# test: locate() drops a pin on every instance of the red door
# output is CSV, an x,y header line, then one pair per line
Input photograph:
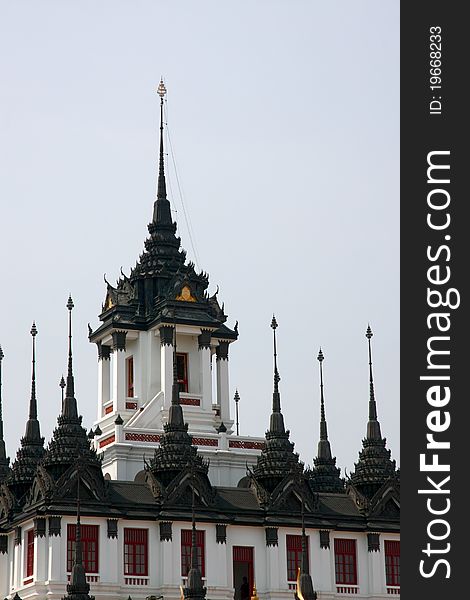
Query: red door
x,y
242,567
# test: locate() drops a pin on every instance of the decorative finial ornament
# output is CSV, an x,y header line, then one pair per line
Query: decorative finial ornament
x,y
373,426
70,391
161,90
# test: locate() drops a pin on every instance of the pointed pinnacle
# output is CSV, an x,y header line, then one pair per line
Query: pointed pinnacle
x,y
34,330
237,396
369,333
2,356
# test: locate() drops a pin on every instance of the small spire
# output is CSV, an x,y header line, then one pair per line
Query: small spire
x,y
33,409
373,426
4,461
324,450
69,405
277,420
62,386
33,433
2,356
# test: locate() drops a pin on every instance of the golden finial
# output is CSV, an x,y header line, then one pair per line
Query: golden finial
x,y
161,90
254,594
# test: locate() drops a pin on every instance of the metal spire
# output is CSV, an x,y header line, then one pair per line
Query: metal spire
x,y
2,356
69,405
62,386
161,190
4,461
324,449
32,426
277,420
33,409
373,426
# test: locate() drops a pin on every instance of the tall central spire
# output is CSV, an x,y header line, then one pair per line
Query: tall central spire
x,y
161,190
32,426
162,210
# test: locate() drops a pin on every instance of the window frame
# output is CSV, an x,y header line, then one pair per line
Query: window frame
x,y
90,534
134,544
345,570
293,563
184,382
186,546
130,388
29,554
392,567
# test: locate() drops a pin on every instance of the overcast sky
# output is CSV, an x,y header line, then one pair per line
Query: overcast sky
x,y
284,120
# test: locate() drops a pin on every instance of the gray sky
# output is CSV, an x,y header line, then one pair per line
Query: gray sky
x,y
284,119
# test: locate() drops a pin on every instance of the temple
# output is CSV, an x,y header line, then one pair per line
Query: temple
x,y
162,498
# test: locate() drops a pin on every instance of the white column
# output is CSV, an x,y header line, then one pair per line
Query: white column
x,y
17,564
222,381
104,381
206,377
5,576
119,380
166,339
273,570
55,556
41,556
376,566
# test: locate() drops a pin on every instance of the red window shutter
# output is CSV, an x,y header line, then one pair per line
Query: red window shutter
x,y
392,562
130,377
135,551
345,562
294,555
29,553
186,545
89,536
182,371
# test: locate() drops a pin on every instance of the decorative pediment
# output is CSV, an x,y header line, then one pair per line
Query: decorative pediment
x,y
180,490
386,502
290,494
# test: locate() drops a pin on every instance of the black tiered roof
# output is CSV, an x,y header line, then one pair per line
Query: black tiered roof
x,y
375,466
69,440
325,475
277,459
162,283
31,450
